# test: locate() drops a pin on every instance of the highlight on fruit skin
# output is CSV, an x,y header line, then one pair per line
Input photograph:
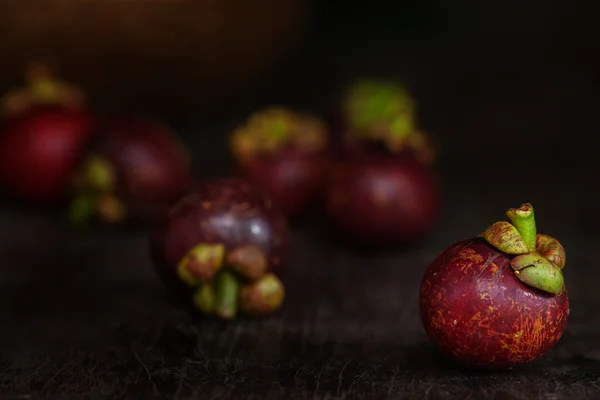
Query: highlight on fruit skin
x,y
285,154
539,258
221,248
133,171
497,300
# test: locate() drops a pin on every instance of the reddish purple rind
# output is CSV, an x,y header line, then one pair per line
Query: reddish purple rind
x,y
228,211
477,312
40,149
153,169
382,200
292,178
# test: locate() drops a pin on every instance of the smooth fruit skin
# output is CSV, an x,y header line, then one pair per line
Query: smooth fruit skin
x,y
382,200
478,313
38,151
153,169
229,211
292,178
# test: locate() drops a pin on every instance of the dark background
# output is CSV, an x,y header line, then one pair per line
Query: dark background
x,y
510,88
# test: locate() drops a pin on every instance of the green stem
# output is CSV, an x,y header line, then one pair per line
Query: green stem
x,y
81,209
523,219
227,287
99,174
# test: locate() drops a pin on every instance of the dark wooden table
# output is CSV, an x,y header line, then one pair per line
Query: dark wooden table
x,y
83,315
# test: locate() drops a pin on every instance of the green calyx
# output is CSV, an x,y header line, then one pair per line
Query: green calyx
x,y
278,128
204,298
272,124
539,258
263,296
271,129
227,281
375,104
42,88
376,101
402,126
94,185
42,85
81,209
383,112
201,263
98,175
536,271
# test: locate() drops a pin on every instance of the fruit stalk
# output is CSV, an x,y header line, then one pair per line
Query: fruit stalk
x,y
524,220
227,287
539,258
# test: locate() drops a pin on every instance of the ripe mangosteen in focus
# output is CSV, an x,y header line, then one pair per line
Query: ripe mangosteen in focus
x,y
497,300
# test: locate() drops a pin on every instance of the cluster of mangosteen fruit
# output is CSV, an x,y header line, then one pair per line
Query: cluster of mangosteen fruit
x,y
496,300
368,171
55,150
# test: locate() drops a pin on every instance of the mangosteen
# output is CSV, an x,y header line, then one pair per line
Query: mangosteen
x,y
221,247
285,154
45,128
133,171
383,190
497,300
